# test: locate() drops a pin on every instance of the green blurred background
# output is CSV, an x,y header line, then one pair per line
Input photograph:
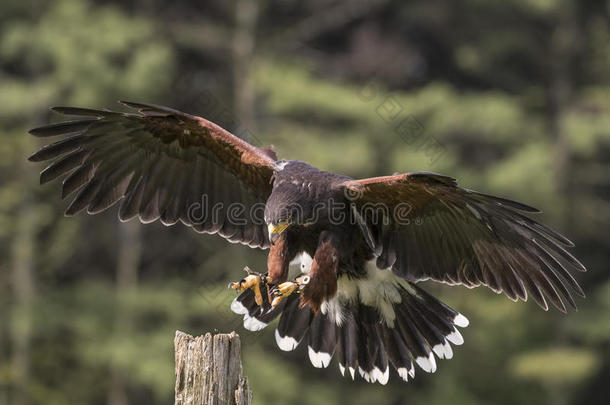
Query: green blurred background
x,y
512,98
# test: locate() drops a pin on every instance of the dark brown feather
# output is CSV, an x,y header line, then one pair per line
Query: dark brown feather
x,y
62,128
63,166
160,162
459,236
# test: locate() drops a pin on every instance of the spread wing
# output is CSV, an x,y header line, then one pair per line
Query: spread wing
x,y
161,164
436,230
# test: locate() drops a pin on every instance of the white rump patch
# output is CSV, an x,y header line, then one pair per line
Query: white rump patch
x,y
379,289
285,343
318,359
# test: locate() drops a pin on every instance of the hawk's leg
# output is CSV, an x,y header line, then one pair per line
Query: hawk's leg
x,y
323,272
253,280
287,288
278,262
281,254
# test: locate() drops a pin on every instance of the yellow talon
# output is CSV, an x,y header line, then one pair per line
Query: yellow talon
x,y
252,281
276,301
287,288
282,291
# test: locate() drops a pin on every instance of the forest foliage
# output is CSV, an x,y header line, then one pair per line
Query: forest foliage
x,y
512,98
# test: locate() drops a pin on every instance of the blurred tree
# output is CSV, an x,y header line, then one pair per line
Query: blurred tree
x,y
48,56
510,97
130,249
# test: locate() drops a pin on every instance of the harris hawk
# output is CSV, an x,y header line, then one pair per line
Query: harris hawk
x,y
345,255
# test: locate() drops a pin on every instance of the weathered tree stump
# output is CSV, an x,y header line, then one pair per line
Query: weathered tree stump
x,y
209,371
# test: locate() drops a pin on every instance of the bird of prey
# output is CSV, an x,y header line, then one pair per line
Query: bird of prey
x,y
345,255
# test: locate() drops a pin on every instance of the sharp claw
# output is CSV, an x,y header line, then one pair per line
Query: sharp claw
x,y
239,285
262,276
283,290
251,281
254,279
276,301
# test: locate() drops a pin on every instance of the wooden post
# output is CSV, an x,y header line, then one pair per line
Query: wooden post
x,y
208,370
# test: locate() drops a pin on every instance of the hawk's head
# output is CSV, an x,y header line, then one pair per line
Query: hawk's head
x,y
289,204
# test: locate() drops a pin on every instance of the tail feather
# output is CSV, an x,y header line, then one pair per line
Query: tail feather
x,y
398,353
347,344
256,317
440,309
381,370
402,326
322,341
372,357
418,328
423,323
365,364
412,338
293,325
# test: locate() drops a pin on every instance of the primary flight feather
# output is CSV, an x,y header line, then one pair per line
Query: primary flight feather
x,y
360,246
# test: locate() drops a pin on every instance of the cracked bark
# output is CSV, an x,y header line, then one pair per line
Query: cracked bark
x,y
209,371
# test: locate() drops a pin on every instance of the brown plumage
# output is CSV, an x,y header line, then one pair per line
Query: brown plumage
x,y
159,163
363,244
469,238
323,272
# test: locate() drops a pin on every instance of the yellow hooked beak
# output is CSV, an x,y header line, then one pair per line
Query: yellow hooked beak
x,y
276,230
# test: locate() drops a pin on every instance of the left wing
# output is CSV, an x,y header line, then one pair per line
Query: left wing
x,y
161,164
433,229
